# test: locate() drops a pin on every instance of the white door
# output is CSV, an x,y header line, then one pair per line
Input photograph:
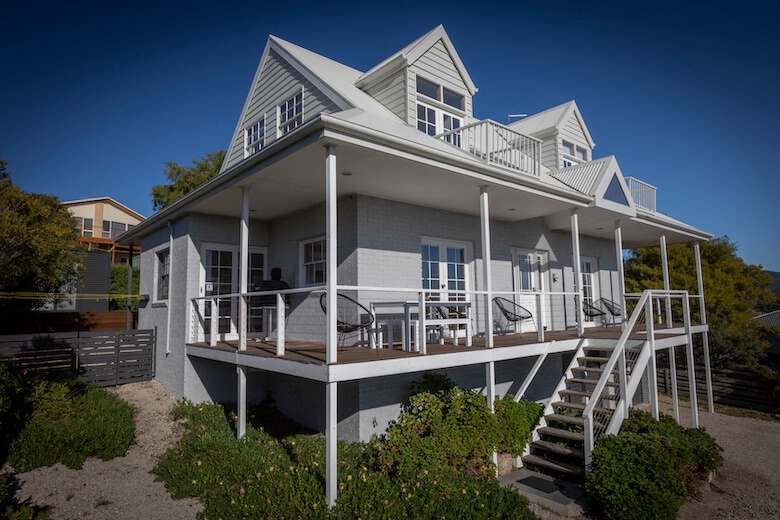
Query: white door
x,y
530,276
589,285
445,267
220,277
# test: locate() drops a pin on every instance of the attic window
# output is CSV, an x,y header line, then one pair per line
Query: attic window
x,y
291,113
442,94
254,138
568,148
582,153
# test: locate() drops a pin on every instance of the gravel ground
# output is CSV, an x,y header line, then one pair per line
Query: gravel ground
x,y
746,487
120,488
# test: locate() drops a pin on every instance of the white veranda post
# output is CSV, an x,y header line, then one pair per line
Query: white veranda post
x,y
331,419
577,260
486,261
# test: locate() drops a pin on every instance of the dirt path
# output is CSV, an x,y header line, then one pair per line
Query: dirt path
x,y
121,488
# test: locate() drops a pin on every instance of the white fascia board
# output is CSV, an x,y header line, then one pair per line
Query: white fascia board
x,y
392,145
666,223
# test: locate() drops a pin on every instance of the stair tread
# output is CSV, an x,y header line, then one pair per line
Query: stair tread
x,y
568,419
561,467
584,393
593,359
561,433
586,381
580,407
587,369
558,449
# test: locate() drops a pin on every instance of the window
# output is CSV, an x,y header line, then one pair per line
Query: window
x,y
117,228
163,274
573,151
291,113
254,138
568,148
582,153
86,227
433,120
106,229
313,261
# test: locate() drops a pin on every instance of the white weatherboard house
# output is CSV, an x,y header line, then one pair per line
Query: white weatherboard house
x,y
414,237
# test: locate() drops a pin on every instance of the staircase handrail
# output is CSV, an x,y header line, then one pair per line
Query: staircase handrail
x,y
618,354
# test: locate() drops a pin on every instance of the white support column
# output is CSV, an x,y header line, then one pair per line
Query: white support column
x,y
331,452
490,387
705,335
243,272
331,341
280,324
484,216
621,273
691,364
241,402
675,394
653,369
577,260
665,267
243,259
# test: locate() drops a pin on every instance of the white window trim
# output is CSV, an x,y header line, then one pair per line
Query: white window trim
x,y
439,115
263,121
438,102
157,274
284,99
302,266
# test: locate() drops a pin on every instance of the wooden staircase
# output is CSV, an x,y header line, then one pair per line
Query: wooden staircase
x,y
557,444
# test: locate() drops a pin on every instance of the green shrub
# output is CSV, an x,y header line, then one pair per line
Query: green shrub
x,y
648,468
15,408
514,422
71,421
282,474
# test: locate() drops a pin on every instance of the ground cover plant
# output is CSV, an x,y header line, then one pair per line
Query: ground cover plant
x,y
648,469
278,471
47,421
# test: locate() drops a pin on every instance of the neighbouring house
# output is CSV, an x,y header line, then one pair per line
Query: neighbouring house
x,y
414,237
770,323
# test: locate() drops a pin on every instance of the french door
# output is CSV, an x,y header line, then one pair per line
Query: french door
x,y
589,285
530,276
445,266
220,277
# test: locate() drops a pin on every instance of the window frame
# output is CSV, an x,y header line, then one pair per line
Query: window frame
x,y
256,130
162,275
303,272
290,122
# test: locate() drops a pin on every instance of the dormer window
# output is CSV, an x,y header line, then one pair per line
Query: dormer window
x,y
573,154
291,113
254,138
433,118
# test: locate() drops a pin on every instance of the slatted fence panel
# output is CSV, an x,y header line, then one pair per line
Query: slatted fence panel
x,y
103,358
733,387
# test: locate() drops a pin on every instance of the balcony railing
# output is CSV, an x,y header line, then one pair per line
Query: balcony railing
x,y
642,193
497,145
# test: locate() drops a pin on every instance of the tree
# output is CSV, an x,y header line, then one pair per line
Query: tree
x,y
119,286
733,291
184,179
39,249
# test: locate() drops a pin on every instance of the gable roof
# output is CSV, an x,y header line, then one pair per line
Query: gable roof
x,y
105,200
603,180
411,53
552,119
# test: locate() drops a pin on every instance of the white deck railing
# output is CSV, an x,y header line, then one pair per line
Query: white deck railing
x,y
498,145
642,193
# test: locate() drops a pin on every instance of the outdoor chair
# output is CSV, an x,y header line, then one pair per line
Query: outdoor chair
x,y
351,316
611,307
452,317
591,311
513,312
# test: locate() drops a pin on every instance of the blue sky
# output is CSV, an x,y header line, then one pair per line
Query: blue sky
x,y
97,96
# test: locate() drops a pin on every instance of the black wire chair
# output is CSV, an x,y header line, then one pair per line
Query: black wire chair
x,y
591,311
351,316
513,312
611,307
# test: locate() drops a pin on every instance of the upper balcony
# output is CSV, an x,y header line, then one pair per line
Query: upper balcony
x,y
498,145
642,193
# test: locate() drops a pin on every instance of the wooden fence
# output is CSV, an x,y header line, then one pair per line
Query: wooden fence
x,y
103,358
739,387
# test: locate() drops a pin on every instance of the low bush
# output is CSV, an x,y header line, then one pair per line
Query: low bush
x,y
649,467
69,421
274,472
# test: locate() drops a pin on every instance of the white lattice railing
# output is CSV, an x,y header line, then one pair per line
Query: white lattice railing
x,y
498,145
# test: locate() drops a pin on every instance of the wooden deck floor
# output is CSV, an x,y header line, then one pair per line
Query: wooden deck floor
x,y
313,352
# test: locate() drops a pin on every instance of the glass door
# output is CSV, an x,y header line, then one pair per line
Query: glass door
x,y
220,277
530,268
445,267
589,285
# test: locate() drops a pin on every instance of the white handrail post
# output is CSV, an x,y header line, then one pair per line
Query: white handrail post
x,y
621,273
423,347
622,373
214,321
589,440
667,287
280,324
650,325
540,319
